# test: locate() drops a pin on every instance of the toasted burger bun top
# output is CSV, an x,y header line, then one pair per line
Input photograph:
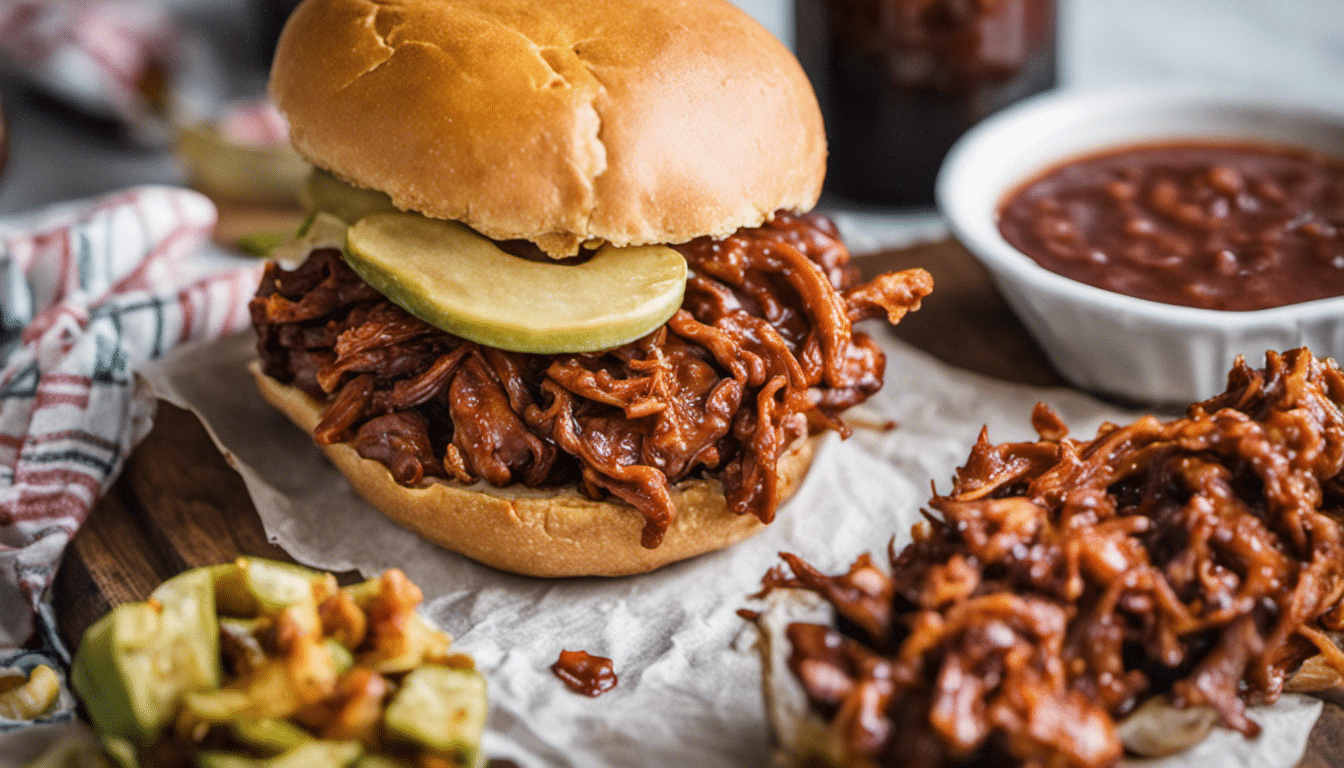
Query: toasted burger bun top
x,y
629,121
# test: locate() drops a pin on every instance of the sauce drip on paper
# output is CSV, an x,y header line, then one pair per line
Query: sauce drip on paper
x,y
585,673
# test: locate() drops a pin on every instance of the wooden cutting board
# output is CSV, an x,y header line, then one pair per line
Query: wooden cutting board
x,y
180,505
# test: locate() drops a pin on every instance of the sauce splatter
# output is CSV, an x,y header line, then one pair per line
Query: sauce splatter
x,y
585,673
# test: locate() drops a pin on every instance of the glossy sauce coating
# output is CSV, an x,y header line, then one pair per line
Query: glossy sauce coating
x,y
762,352
1211,225
1063,582
585,673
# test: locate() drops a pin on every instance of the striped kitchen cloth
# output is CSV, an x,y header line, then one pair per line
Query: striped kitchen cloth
x,y
112,58
88,291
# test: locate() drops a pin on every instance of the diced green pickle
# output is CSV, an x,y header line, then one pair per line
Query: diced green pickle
x,y
121,751
364,591
189,612
279,585
136,663
227,760
147,665
420,639
269,692
441,708
269,735
232,597
252,586
220,706
319,754
341,657
378,761
312,754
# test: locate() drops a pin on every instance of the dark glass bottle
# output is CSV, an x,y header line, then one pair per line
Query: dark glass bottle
x,y
271,16
900,80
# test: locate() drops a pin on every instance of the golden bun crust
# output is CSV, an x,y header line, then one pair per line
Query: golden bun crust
x,y
629,121
540,532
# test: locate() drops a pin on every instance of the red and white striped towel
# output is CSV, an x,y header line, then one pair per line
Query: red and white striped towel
x,y
106,57
88,291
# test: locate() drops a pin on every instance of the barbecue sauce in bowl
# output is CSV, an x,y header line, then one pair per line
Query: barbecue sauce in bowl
x,y
1214,225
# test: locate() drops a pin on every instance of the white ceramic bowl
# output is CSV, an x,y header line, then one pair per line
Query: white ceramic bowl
x,y
1135,349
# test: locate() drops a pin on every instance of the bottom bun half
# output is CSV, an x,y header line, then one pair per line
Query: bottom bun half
x,y
548,532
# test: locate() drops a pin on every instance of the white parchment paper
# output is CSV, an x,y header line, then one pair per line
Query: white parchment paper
x,y
690,680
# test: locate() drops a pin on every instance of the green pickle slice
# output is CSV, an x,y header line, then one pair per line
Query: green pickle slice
x,y
321,230
137,662
442,708
327,193
458,281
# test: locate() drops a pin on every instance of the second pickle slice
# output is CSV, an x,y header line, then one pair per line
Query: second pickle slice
x,y
461,282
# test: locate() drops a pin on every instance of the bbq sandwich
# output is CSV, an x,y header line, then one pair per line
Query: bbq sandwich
x,y
560,308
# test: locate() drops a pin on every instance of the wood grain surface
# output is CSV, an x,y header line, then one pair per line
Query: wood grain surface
x,y
179,504
965,322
